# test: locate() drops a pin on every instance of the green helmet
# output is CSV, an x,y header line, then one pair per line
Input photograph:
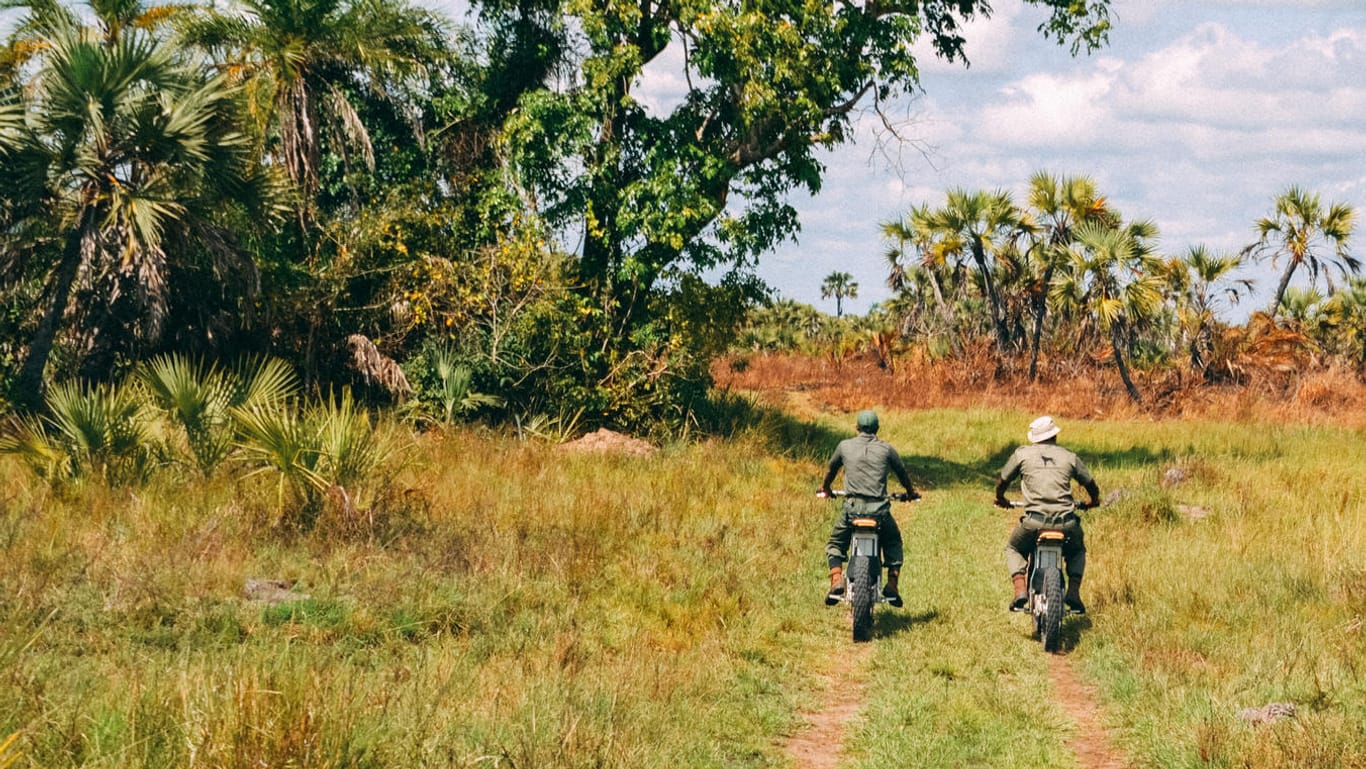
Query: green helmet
x,y
867,421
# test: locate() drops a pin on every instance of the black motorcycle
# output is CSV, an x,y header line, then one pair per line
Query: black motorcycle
x,y
864,575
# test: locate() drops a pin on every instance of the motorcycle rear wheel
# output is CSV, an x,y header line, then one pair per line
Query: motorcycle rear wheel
x,y
861,598
1050,624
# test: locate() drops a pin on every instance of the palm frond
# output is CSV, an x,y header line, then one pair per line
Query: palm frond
x,y
350,449
274,438
106,428
261,382
27,438
197,396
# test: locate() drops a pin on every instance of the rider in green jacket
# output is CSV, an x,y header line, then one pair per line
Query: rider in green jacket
x,y
866,462
1046,471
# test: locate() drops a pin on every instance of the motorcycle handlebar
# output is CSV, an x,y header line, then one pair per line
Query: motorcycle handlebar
x,y
897,497
1080,505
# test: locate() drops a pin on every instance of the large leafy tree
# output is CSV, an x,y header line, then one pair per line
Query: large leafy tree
x,y
1305,234
121,156
702,182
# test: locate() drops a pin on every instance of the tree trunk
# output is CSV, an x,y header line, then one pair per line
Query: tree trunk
x,y
1002,335
29,384
1040,310
945,313
1284,284
1115,333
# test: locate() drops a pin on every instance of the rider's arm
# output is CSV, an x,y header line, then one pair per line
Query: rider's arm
x,y
1093,489
899,468
836,462
1008,473
1083,476
1001,485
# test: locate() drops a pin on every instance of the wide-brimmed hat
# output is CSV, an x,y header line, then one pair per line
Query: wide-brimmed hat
x,y
1042,429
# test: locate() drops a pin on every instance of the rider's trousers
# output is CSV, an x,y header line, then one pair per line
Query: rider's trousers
x,y
1021,543
888,533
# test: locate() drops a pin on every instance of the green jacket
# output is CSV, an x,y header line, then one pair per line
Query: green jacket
x,y
866,462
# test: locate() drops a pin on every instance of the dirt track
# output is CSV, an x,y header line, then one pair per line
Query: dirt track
x,y
1091,743
820,742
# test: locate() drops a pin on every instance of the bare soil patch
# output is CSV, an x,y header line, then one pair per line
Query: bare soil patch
x,y
818,744
1091,743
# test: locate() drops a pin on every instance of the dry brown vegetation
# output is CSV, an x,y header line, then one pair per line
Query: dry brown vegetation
x,y
1318,395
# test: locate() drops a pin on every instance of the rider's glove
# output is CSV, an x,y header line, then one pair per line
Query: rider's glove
x,y
1002,502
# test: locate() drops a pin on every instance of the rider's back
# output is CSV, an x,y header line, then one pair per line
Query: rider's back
x,y
866,461
1046,471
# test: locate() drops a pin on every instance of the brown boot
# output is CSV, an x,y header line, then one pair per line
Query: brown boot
x,y
890,591
836,586
1073,598
1018,603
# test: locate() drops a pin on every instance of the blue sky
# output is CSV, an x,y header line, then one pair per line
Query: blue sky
x,y
1196,116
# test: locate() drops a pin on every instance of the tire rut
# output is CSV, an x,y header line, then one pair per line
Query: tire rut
x,y
1091,743
819,742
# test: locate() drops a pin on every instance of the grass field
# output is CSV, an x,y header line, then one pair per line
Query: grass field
x,y
530,607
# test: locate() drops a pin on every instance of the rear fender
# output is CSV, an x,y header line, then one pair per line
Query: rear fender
x,y
864,542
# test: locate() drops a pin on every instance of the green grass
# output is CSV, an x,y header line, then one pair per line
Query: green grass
x,y
528,607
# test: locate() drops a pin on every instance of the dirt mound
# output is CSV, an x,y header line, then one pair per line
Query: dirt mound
x,y
605,440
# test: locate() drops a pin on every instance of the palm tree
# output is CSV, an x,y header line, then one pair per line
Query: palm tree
x,y
839,285
1206,284
1303,307
1347,310
1058,205
916,233
297,60
985,224
120,148
1301,231
1114,278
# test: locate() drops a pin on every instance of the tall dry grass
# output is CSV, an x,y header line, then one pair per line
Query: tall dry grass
x,y
1331,395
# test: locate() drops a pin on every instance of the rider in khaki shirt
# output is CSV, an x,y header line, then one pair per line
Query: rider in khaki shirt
x,y
1046,471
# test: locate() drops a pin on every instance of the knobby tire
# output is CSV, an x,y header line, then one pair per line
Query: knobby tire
x,y
1050,625
861,597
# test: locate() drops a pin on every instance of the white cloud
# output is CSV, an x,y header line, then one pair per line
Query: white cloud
x,y
1046,109
662,84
